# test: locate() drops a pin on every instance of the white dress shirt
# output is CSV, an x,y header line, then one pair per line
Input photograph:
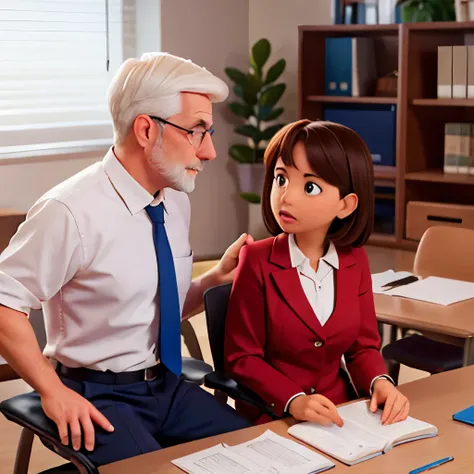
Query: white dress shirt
x,y
318,287
86,255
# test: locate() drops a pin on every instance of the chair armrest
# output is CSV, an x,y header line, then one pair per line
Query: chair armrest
x,y
221,382
26,411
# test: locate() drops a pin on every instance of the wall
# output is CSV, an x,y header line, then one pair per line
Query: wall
x,y
278,22
214,34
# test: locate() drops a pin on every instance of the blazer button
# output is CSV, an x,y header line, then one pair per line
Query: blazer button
x,y
318,344
272,405
313,390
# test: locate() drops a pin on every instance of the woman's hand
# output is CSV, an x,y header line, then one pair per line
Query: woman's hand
x,y
396,406
315,408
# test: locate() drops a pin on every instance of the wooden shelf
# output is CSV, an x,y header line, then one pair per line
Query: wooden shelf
x,y
438,176
333,99
388,173
443,102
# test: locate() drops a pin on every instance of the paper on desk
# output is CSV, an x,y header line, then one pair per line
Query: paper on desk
x,y
267,454
443,291
380,279
279,455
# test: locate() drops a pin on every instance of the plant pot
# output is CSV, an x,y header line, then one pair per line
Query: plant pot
x,y
251,177
256,227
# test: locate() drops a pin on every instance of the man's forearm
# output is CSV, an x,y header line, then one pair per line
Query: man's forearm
x,y
19,347
194,303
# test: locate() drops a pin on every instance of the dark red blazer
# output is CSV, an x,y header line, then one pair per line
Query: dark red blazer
x,y
274,343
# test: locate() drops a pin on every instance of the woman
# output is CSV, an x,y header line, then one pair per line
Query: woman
x,y
302,301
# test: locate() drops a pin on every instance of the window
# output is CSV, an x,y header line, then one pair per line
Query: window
x,y
53,73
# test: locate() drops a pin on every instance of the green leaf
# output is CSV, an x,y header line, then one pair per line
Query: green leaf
x,y
235,75
242,153
268,113
251,89
272,95
261,52
260,152
251,197
241,110
275,71
239,91
268,133
257,70
249,131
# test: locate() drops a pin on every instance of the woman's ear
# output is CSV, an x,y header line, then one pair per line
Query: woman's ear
x,y
349,204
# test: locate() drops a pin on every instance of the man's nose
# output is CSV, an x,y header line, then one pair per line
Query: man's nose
x,y
206,151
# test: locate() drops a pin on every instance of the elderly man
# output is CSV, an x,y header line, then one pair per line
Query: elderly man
x,y
106,254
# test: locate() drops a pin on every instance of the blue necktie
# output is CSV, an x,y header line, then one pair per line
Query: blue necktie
x,y
169,336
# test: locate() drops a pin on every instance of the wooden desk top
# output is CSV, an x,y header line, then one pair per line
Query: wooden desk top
x,y
433,399
454,320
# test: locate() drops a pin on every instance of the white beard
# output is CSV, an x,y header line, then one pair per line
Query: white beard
x,y
176,175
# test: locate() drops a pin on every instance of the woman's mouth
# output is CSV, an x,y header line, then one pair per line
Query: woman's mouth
x,y
286,217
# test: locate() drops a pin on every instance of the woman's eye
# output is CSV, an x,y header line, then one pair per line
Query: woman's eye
x,y
280,180
312,189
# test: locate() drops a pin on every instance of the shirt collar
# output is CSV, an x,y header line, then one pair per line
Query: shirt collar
x,y
132,193
298,258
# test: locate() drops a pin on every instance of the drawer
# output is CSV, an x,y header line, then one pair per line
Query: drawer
x,y
421,215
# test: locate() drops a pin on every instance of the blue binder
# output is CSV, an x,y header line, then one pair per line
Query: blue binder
x,y
338,63
465,416
376,125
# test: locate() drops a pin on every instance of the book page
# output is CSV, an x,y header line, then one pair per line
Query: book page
x,y
216,460
349,444
360,414
443,291
279,455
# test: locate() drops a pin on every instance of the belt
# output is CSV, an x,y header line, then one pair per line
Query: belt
x,y
82,374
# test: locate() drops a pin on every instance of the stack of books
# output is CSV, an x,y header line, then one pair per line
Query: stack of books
x,y
459,148
455,72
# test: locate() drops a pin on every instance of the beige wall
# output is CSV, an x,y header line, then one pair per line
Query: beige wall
x,y
278,20
214,34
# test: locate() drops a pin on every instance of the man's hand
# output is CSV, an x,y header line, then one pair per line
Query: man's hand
x,y
396,406
225,269
70,410
315,408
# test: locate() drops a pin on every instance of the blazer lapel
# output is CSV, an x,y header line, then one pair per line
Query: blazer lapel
x,y
287,281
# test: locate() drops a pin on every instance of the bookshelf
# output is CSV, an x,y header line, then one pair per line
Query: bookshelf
x,y
411,49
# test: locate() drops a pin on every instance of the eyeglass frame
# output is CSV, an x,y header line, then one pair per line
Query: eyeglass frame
x,y
187,130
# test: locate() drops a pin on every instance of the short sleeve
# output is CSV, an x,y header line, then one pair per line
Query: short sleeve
x,y
44,254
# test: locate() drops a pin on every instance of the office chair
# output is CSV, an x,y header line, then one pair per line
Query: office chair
x,y
26,411
446,252
216,301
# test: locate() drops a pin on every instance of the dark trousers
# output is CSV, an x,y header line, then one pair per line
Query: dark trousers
x,y
150,415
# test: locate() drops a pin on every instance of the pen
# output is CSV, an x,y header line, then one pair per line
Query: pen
x,y
432,465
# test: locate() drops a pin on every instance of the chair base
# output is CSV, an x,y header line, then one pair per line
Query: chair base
x,y
68,468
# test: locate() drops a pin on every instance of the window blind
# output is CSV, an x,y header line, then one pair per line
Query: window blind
x,y
57,58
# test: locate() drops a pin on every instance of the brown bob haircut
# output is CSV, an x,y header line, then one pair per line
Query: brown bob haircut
x,y
338,156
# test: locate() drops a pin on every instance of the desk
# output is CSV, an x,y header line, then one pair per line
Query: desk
x,y
455,321
433,399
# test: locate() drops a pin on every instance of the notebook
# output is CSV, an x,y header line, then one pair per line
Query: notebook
x,y
267,454
363,436
384,278
465,416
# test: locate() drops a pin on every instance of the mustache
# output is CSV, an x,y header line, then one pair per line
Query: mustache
x,y
196,167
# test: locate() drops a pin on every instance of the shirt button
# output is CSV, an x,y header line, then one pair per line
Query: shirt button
x,y
318,344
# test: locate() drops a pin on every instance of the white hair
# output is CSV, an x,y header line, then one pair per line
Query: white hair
x,y
153,84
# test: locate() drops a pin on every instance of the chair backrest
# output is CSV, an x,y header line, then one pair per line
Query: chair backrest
x,y
446,252
216,301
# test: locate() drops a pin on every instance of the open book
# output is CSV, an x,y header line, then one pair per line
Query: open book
x,y
267,454
363,436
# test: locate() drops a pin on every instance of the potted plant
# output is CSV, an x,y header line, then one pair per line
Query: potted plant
x,y
427,10
258,95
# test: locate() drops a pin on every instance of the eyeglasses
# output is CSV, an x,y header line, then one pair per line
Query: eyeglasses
x,y
195,138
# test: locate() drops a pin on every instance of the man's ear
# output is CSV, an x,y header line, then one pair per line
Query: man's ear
x,y
145,130
349,204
